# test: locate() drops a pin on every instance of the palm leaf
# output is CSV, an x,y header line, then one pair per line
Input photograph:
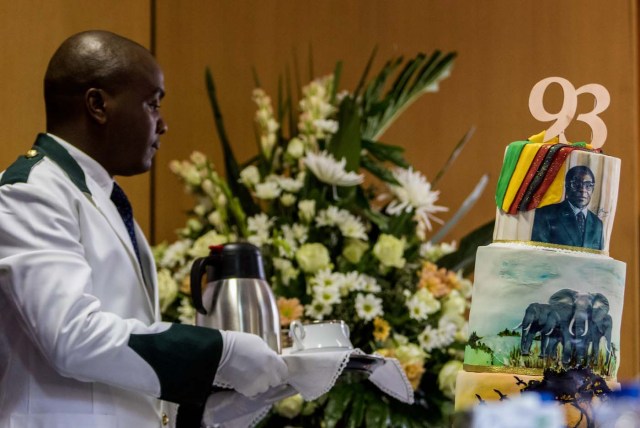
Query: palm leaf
x,y
419,76
231,165
454,155
378,170
464,258
468,203
363,78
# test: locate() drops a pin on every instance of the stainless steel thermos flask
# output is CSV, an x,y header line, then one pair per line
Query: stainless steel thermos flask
x,y
236,296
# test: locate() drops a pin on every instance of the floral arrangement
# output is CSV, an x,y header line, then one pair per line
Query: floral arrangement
x,y
345,225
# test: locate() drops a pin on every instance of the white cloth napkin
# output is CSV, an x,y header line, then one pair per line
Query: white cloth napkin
x,y
311,374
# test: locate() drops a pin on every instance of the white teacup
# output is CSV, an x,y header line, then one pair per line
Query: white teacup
x,y
320,335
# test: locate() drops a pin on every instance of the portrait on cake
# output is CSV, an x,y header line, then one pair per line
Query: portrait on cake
x,y
571,222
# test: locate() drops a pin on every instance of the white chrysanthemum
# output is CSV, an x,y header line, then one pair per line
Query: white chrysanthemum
x,y
352,227
268,190
329,295
418,309
414,193
429,339
318,310
352,281
326,278
291,185
446,333
330,171
329,217
368,306
370,284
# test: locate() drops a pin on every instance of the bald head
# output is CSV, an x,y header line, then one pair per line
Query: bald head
x,y
89,59
102,94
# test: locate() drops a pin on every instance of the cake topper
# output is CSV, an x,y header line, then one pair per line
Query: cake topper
x,y
568,111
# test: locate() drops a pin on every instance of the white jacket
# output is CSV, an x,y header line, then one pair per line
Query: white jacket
x,y
81,343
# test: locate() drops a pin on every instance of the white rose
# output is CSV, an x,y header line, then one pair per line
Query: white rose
x,y
307,210
447,377
288,199
268,190
167,289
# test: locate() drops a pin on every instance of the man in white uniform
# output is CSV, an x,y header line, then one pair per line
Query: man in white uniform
x,y
82,344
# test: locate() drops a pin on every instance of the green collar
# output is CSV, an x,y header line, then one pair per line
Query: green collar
x,y
54,151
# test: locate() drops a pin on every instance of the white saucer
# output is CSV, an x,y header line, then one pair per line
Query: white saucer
x,y
291,351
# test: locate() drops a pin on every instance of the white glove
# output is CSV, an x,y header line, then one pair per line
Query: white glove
x,y
232,409
248,365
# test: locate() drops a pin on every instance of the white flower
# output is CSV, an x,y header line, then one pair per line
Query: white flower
x,y
429,339
167,288
295,148
198,159
259,224
307,210
352,281
446,332
317,310
268,190
327,126
327,294
414,193
175,254
250,176
370,284
201,246
287,199
329,217
215,219
368,306
418,309
326,278
289,184
300,232
191,175
328,170
352,227
187,312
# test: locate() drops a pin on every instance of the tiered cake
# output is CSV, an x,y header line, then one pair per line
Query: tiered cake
x,y
547,299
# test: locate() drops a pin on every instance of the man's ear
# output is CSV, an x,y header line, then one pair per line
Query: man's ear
x,y
95,103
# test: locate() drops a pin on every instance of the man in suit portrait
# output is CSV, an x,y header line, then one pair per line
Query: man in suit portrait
x,y
570,222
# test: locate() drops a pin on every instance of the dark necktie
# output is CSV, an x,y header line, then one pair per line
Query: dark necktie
x,y
580,220
121,202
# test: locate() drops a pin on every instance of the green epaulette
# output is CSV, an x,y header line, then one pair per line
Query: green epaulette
x,y
18,172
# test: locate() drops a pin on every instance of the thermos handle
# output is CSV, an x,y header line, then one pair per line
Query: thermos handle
x,y
198,269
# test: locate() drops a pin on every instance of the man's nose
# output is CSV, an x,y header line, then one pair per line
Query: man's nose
x,y
161,126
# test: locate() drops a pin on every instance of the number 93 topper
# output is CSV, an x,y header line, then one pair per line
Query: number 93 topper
x,y
568,111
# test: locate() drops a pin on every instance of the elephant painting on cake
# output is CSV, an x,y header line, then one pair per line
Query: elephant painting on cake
x,y
538,318
582,319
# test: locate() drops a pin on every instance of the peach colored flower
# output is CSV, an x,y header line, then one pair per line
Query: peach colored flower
x,y
290,310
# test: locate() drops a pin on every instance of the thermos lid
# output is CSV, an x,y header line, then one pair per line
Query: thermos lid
x,y
237,260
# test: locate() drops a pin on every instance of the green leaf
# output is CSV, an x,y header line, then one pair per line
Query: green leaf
x,y
386,152
377,414
339,399
231,165
378,170
356,415
454,155
419,76
363,78
464,258
336,81
346,143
